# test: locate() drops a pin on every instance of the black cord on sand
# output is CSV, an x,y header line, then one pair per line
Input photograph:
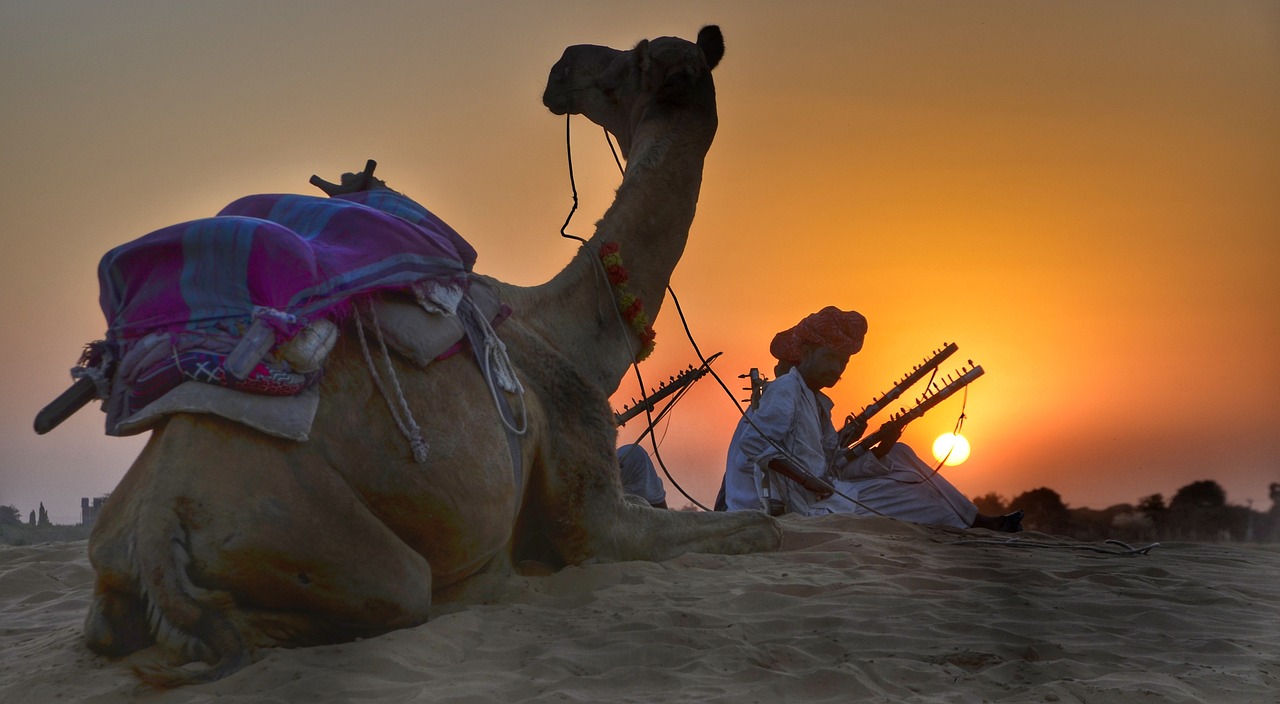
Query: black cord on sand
x,y
1120,548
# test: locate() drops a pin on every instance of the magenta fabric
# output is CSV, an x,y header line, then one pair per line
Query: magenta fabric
x,y
301,256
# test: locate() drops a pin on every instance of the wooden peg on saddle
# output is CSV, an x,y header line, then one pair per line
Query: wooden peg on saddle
x,y
351,182
68,402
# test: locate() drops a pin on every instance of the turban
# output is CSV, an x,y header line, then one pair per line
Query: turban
x,y
830,327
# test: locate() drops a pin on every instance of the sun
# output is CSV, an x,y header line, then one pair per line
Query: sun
x,y
951,443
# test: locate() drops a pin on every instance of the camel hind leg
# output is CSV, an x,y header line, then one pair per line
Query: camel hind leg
x,y
116,624
214,559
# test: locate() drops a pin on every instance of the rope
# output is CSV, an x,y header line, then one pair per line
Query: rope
x,y
503,374
408,427
1124,548
101,384
568,147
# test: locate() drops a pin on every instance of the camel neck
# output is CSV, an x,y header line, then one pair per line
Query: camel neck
x,y
647,225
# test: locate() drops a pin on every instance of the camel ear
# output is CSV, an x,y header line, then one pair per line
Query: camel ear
x,y
711,41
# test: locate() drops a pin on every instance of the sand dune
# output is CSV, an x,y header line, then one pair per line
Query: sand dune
x,y
852,609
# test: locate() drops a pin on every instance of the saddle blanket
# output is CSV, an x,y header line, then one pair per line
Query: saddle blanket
x,y
420,335
183,301
297,256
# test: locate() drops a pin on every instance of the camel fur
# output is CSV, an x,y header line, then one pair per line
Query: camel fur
x,y
220,540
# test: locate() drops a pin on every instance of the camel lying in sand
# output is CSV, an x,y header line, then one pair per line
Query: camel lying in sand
x,y
221,539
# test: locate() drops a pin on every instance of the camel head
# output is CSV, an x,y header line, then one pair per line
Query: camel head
x,y
623,90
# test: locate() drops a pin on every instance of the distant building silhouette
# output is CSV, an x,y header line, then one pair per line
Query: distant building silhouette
x,y
89,513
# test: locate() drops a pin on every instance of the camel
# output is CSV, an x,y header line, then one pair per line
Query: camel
x,y
221,540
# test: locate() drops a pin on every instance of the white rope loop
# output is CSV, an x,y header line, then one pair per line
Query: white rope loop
x,y
498,371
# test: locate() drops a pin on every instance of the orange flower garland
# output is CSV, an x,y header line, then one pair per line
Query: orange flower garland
x,y
631,307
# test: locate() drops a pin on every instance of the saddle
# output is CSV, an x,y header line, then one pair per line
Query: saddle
x,y
412,330
235,314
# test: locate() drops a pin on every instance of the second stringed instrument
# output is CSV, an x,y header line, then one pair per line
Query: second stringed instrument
x,y
664,390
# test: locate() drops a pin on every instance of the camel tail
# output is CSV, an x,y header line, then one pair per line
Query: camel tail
x,y
189,623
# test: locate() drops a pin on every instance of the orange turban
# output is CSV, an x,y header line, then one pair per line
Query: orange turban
x,y
830,327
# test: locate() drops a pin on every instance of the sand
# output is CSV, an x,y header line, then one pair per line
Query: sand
x,y
852,609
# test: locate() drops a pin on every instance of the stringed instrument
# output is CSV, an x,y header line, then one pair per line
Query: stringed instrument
x,y
916,374
932,397
756,388
665,389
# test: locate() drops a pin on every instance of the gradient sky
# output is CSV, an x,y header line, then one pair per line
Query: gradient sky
x,y
1084,196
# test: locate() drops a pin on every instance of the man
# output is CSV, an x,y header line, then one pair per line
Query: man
x,y
787,451
639,478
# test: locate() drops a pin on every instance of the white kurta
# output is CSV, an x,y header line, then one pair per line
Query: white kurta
x,y
794,420
903,486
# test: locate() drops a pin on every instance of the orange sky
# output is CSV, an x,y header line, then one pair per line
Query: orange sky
x,y
1082,195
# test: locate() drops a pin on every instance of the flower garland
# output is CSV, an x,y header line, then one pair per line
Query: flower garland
x,y
631,307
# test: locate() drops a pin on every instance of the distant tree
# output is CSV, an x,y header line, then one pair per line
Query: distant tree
x,y
1242,522
44,516
1134,525
991,504
32,520
1199,511
1045,511
10,516
1154,509
1205,492
1092,524
1272,534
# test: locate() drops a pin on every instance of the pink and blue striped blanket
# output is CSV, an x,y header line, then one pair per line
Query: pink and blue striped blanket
x,y
195,288
302,256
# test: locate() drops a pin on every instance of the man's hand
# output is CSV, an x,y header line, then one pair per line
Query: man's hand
x,y
784,467
820,489
888,438
852,431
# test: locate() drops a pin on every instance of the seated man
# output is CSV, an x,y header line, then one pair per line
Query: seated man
x,y
639,478
787,450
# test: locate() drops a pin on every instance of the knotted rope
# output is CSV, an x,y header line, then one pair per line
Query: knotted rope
x,y
489,349
408,427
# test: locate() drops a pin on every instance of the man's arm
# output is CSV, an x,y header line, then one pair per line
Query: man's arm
x,y
786,468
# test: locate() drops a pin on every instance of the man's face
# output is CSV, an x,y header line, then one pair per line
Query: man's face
x,y
822,367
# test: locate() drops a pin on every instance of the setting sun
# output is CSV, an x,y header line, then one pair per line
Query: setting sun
x,y
951,449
